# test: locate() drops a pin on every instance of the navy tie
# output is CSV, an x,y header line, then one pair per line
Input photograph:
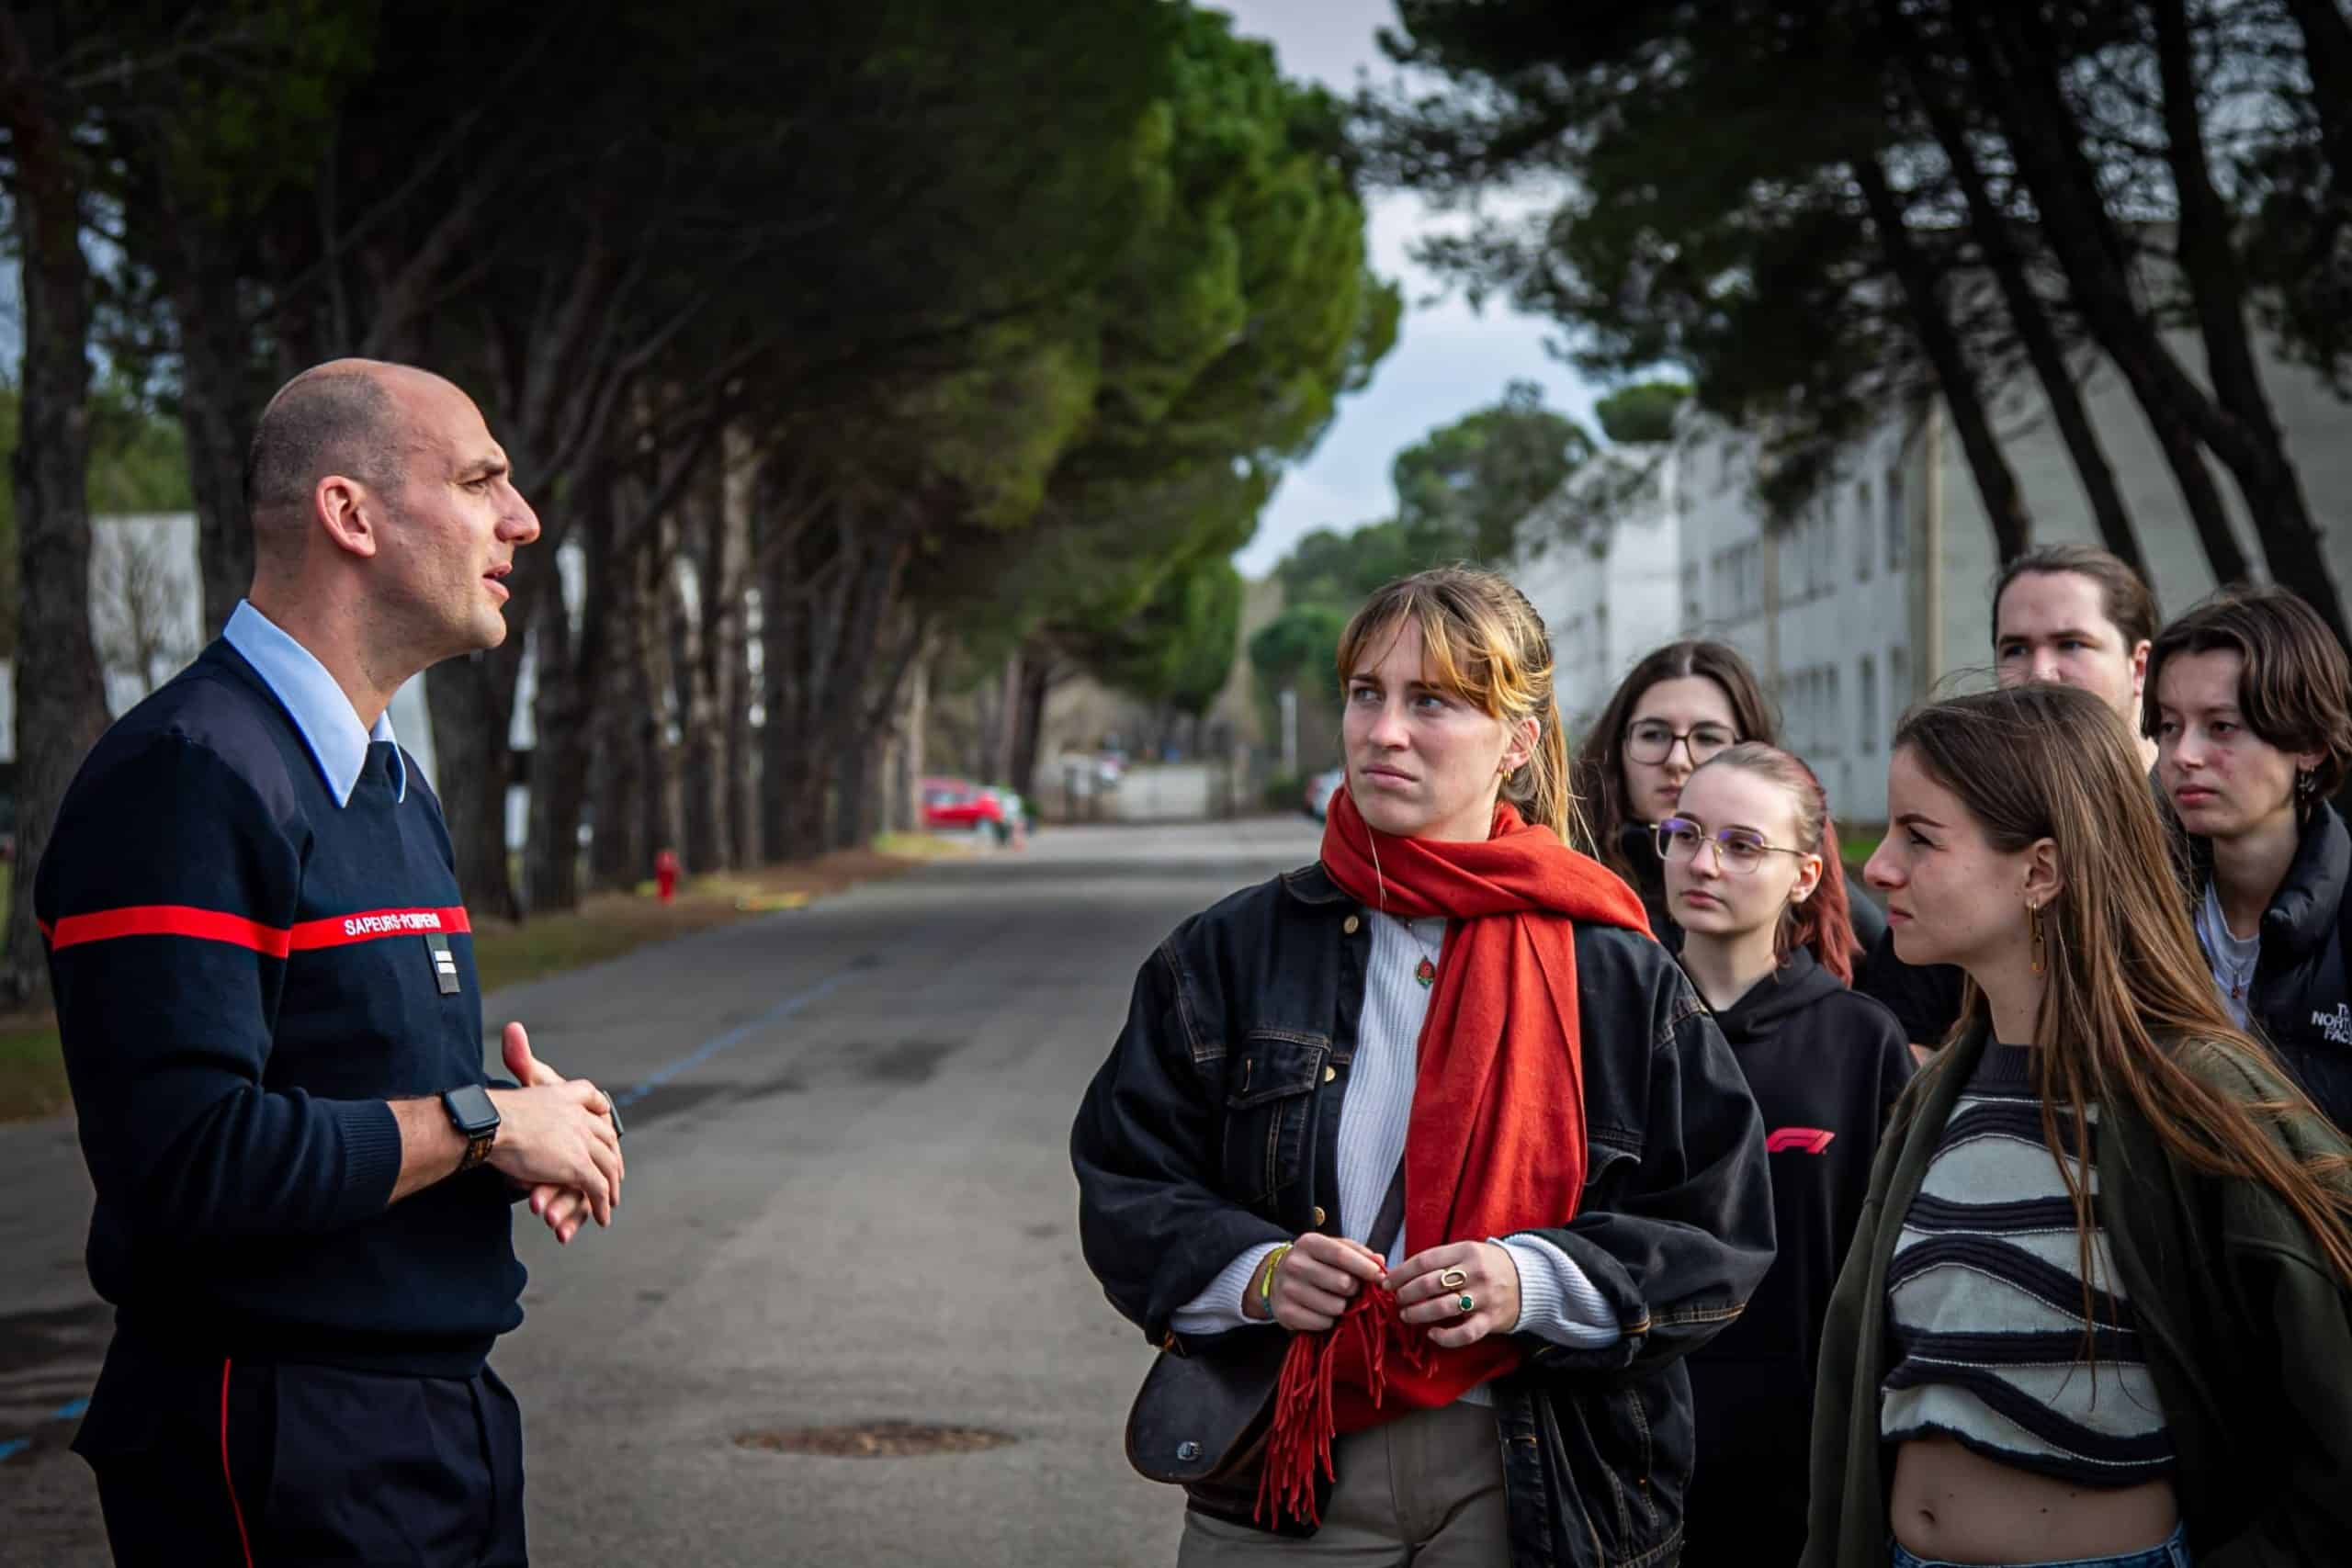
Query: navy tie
x,y
384,764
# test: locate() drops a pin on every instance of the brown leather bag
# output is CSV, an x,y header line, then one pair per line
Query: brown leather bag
x,y
1204,1409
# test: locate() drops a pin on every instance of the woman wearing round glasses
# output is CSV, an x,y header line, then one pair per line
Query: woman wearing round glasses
x,y
1751,875
1674,710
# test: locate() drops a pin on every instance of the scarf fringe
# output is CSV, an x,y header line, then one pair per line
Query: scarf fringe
x,y
1305,1418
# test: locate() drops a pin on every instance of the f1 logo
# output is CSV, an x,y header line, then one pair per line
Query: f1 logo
x,y
1811,1140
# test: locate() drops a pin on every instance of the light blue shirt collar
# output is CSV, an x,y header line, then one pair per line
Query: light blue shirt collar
x,y
330,724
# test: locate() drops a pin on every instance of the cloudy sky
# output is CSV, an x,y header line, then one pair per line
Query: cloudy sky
x,y
1448,360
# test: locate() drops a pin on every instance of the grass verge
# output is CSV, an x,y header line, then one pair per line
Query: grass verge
x,y
607,925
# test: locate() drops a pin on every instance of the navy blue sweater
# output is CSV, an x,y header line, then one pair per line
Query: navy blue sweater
x,y
244,975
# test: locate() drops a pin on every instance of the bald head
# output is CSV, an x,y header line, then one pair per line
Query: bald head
x,y
345,417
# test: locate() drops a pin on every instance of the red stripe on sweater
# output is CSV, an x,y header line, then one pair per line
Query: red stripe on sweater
x,y
372,924
212,925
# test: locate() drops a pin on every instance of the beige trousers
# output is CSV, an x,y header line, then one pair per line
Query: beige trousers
x,y
1425,1490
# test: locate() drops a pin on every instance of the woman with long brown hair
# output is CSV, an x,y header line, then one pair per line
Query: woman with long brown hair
x,y
1438,1112
2099,1307
1678,706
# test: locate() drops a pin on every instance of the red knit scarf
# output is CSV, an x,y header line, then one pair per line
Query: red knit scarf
x,y
1495,1142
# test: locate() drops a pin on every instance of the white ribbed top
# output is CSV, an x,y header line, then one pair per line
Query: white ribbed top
x,y
1555,1300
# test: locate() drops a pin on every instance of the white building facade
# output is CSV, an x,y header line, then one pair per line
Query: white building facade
x,y
1601,563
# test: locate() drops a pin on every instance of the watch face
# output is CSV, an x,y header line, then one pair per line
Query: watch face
x,y
471,1110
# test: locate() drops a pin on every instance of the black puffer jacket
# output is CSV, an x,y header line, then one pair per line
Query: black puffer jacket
x,y
1215,1125
2303,993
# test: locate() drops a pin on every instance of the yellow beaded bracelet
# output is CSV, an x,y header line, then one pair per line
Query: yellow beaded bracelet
x,y
1266,1280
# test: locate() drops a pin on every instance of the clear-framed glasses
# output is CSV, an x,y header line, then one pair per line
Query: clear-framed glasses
x,y
1737,851
1653,739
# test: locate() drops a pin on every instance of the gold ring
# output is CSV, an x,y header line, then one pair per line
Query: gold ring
x,y
1453,1279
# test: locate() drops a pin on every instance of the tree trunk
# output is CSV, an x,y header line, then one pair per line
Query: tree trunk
x,y
777,747
2327,55
1007,756
855,779
2045,141
1027,721
60,695
906,814
218,408
573,664
472,703
726,614
708,688
743,766
2028,311
2266,476
665,757
1923,295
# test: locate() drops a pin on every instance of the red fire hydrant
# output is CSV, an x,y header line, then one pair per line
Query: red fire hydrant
x,y
665,875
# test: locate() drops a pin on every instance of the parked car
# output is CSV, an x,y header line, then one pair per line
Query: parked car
x,y
960,805
1319,790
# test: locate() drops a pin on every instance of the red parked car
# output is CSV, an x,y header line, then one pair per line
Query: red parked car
x,y
954,804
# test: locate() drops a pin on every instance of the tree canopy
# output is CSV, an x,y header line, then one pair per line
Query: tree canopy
x,y
887,330
1820,213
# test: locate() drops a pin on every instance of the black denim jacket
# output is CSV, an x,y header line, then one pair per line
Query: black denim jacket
x,y
1214,1126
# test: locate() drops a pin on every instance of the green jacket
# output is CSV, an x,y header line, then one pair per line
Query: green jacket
x,y
2248,1332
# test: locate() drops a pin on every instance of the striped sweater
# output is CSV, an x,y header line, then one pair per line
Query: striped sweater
x,y
1985,1304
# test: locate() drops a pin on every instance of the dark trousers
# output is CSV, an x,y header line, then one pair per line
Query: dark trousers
x,y
252,1465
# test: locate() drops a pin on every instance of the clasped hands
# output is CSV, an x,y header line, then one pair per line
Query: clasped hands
x,y
563,1146
1313,1282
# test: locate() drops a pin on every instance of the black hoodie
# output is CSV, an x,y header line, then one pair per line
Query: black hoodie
x,y
1824,1064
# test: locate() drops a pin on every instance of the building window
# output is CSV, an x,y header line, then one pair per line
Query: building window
x,y
1866,678
1898,525
1865,537
1834,713
1693,607
1898,681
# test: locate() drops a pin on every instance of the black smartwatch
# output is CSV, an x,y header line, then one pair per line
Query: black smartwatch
x,y
473,1112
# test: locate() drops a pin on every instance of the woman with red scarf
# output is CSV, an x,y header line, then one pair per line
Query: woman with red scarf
x,y
1440,1109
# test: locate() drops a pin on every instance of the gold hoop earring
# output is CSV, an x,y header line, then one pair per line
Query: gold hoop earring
x,y
2040,947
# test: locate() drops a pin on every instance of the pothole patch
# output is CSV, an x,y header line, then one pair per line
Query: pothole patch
x,y
875,1440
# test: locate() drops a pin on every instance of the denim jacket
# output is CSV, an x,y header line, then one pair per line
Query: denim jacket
x,y
1214,1126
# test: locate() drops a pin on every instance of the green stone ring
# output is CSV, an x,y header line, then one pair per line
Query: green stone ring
x,y
1467,1302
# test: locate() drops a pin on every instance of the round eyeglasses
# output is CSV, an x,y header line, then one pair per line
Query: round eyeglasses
x,y
1652,740
1737,851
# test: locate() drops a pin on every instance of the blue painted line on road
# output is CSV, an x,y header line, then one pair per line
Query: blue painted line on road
x,y
70,1409
742,1032
14,1445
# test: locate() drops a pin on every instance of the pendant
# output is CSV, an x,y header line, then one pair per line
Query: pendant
x,y
1426,974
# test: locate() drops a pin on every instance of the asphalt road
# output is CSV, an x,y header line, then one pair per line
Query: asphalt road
x,y
848,1202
